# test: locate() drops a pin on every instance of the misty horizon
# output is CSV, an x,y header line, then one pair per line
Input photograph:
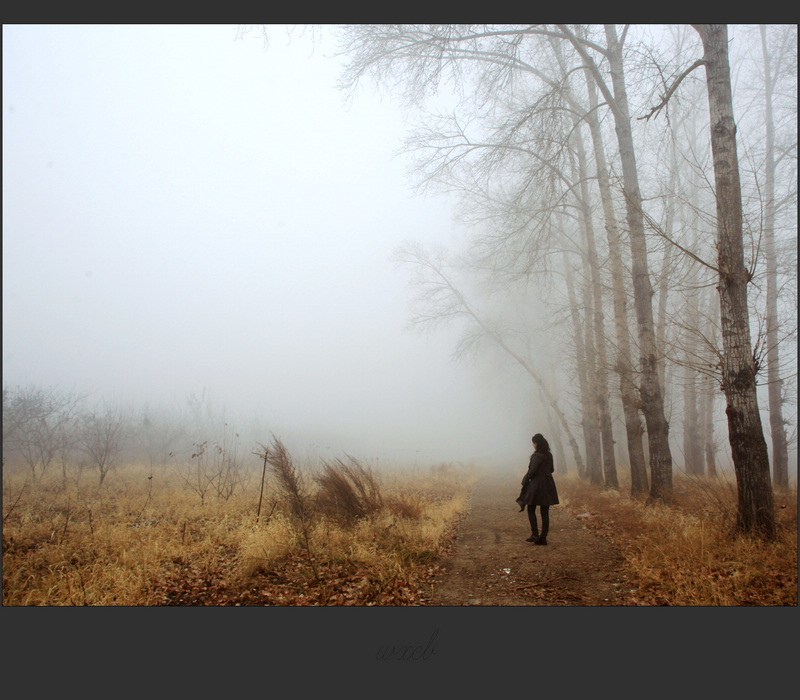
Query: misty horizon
x,y
186,212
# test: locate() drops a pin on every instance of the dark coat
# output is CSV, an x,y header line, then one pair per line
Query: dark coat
x,y
538,485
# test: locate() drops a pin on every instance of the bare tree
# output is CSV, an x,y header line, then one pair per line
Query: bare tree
x,y
594,305
710,381
616,97
38,425
22,409
101,438
497,65
65,434
197,473
773,67
423,55
748,447
589,420
623,364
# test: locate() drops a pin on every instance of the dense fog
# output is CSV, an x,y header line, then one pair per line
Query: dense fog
x,y
188,214
201,223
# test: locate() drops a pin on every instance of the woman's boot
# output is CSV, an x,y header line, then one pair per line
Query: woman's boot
x,y
542,539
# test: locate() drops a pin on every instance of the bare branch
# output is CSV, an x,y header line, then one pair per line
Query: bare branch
x,y
654,225
665,98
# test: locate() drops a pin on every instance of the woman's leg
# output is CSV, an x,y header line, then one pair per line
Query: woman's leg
x,y
545,520
532,520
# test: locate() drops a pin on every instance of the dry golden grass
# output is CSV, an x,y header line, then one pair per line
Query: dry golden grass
x,y
105,546
144,538
687,553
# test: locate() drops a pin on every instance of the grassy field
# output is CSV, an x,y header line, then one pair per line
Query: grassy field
x,y
342,534
687,553
338,535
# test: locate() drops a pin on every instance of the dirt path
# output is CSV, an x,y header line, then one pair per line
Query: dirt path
x,y
490,563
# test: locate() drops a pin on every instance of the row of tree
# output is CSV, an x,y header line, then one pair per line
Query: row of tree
x,y
48,429
565,131
43,428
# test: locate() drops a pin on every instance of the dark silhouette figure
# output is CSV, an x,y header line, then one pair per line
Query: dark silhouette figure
x,y
539,489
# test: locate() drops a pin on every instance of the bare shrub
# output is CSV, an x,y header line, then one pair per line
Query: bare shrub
x,y
228,473
101,438
215,467
39,425
348,491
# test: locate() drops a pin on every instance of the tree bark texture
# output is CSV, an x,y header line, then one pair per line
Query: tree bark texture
x,y
623,364
748,446
710,388
650,390
596,308
594,450
580,366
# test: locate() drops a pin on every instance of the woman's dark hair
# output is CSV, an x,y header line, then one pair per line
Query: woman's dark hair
x,y
541,444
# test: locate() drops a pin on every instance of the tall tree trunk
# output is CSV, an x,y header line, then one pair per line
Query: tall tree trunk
x,y
663,294
580,352
581,366
665,279
692,440
780,456
555,444
594,452
709,388
623,364
578,115
707,394
709,443
652,399
598,323
748,447
692,445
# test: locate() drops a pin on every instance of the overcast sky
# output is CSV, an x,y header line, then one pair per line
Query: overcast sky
x,y
186,212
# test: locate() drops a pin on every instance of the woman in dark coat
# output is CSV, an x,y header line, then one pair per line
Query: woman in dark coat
x,y
539,489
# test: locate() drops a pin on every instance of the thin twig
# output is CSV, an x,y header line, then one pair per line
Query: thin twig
x,y
665,98
654,225
263,478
